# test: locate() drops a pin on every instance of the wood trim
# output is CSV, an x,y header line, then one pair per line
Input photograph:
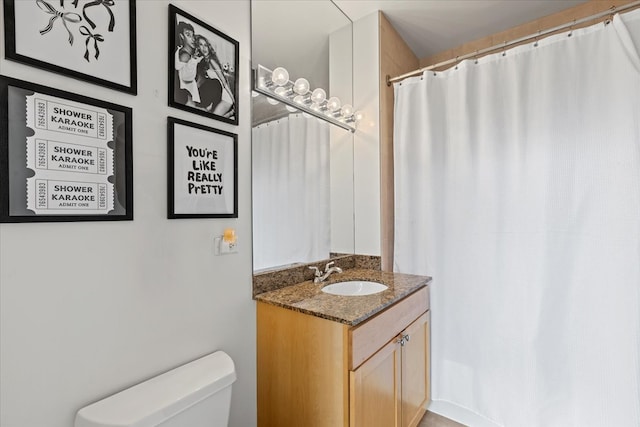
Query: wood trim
x,y
395,58
577,12
375,389
301,360
415,372
428,357
370,336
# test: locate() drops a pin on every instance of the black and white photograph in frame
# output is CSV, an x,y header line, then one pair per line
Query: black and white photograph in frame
x,y
63,157
203,68
202,171
91,40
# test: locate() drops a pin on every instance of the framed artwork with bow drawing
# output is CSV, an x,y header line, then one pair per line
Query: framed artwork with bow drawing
x,y
91,40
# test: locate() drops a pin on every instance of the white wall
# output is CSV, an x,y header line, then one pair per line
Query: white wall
x,y
87,309
341,161
366,97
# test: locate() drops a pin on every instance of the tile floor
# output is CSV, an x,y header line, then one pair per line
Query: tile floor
x,y
434,420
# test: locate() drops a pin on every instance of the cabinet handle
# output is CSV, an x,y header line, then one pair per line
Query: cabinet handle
x,y
406,337
401,341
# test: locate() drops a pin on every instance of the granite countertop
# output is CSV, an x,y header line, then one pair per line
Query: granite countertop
x,y
307,297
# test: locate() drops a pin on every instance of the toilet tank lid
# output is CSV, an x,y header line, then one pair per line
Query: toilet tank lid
x,y
159,398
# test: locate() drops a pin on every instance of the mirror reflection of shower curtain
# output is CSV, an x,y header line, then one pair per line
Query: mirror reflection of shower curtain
x,y
291,216
518,189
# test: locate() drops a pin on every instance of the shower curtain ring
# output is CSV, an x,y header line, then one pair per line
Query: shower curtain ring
x,y
609,20
571,29
536,39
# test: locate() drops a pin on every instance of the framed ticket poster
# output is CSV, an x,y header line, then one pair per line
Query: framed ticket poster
x,y
63,157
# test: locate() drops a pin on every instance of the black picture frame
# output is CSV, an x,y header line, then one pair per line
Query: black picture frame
x,y
75,38
202,163
209,88
69,158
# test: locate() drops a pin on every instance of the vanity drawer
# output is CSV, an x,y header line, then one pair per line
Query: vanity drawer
x,y
368,337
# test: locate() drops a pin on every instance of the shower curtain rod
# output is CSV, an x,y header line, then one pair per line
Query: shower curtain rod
x,y
506,44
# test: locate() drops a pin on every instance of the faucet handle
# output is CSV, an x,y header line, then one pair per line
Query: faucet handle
x,y
329,264
316,271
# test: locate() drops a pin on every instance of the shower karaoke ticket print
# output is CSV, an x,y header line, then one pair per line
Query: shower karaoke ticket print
x,y
66,195
48,155
85,156
47,114
68,157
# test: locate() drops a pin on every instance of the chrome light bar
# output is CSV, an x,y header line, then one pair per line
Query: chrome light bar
x,y
283,90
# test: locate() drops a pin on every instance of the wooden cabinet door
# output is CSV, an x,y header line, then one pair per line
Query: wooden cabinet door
x,y
415,371
375,389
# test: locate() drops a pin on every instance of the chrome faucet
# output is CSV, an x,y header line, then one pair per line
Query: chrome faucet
x,y
320,277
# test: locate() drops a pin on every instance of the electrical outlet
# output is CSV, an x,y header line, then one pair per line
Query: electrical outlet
x,y
228,248
223,248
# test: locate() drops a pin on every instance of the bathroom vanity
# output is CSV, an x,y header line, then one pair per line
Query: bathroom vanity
x,y
327,360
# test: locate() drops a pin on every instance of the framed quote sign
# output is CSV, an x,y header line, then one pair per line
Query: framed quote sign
x,y
91,40
63,157
202,171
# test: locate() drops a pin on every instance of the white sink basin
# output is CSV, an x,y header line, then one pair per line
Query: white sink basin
x,y
354,288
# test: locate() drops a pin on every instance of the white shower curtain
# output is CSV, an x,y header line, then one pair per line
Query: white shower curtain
x,y
291,216
517,184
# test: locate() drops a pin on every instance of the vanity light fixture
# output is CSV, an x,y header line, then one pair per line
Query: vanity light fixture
x,y
301,86
277,87
318,96
280,91
280,76
347,110
333,104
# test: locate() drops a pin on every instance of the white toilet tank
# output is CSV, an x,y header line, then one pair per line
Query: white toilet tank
x,y
197,394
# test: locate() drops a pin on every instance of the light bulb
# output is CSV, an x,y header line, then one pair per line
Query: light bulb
x,y
347,110
272,101
299,99
333,104
280,76
280,91
254,93
301,86
318,96
357,116
315,107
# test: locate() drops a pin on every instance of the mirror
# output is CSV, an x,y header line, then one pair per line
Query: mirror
x,y
302,167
